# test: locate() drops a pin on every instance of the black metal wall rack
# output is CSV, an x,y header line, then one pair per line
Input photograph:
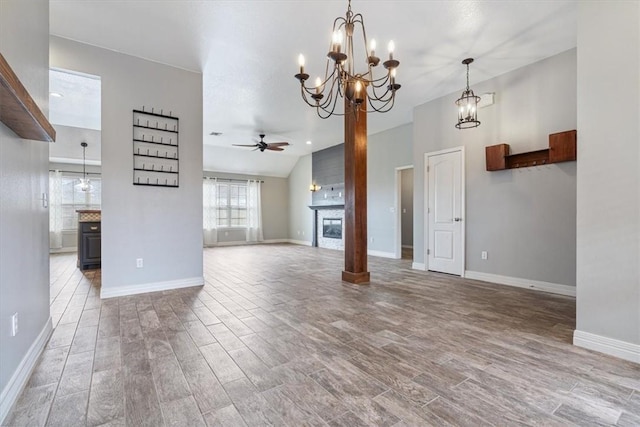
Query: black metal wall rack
x,y
152,165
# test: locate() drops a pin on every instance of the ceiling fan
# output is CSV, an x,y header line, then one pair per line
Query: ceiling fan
x,y
261,145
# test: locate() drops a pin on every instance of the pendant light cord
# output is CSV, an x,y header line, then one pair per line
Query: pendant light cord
x,y
84,161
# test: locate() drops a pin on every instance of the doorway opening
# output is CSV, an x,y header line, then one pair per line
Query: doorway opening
x,y
404,213
75,182
74,171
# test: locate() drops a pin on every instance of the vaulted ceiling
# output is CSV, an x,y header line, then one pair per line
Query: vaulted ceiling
x,y
247,52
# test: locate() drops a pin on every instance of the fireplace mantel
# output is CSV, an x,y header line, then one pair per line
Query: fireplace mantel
x,y
318,207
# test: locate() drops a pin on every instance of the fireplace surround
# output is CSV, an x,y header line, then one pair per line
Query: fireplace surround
x,y
334,238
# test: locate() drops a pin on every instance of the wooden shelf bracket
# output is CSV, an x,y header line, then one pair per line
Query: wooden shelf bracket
x,y
562,148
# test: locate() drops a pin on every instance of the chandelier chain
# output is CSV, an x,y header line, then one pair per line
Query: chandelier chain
x,y
467,77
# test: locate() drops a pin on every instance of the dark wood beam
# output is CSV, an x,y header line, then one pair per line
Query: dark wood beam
x,y
355,190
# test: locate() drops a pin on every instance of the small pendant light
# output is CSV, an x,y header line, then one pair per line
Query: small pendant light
x,y
468,105
85,185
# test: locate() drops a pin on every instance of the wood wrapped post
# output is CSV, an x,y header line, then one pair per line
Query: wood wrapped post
x,y
355,189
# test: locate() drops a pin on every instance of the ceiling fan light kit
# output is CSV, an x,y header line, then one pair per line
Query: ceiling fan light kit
x,y
342,81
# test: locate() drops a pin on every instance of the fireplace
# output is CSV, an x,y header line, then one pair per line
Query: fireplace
x,y
332,228
328,221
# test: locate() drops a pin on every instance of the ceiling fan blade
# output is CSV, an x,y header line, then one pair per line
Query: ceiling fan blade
x,y
244,145
278,144
275,148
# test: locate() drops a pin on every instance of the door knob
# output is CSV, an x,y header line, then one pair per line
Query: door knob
x,y
457,219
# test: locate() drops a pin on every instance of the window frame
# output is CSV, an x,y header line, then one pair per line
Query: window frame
x,y
229,207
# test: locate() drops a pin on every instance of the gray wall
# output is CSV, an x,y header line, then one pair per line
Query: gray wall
x,y
608,211
328,172
24,223
406,203
300,216
161,225
524,218
385,152
275,208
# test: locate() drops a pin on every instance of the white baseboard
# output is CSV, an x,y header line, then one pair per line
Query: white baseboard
x,y
63,250
244,243
419,266
299,242
622,349
381,254
22,374
143,288
535,285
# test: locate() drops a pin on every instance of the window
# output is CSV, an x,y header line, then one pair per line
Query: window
x,y
74,198
232,204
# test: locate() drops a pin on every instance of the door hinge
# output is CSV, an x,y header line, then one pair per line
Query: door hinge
x,y
428,168
428,251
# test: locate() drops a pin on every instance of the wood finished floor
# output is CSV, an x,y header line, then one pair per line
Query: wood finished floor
x,y
275,338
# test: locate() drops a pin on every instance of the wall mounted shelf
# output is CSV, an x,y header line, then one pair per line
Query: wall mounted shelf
x,y
18,111
562,148
155,149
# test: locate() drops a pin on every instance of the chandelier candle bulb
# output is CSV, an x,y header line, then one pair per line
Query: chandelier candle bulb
x,y
318,84
301,63
392,47
372,47
337,41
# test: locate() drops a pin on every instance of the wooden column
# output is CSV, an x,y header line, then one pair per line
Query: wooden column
x,y
355,190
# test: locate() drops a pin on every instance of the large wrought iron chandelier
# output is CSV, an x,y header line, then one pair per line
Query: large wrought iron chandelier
x,y
341,79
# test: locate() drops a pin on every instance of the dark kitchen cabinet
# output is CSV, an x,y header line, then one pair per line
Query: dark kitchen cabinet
x,y
89,245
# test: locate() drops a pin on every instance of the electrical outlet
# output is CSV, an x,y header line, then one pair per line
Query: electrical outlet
x,y
404,210
303,233
139,263
298,232
14,324
371,239
484,255
392,209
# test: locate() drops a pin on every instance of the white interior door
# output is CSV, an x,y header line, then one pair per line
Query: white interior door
x,y
445,248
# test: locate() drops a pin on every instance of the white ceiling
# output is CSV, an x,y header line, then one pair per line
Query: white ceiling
x,y
74,99
247,52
